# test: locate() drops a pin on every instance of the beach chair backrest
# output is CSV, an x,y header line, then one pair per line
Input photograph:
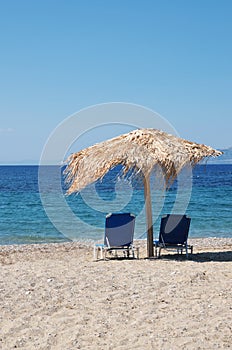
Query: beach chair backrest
x,y
174,229
119,229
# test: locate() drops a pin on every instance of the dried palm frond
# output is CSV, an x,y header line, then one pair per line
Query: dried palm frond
x,y
139,150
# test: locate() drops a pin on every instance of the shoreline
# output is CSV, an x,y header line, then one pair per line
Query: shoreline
x,y
209,248
204,242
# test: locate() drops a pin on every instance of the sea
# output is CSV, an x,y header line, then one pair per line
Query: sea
x,y
34,206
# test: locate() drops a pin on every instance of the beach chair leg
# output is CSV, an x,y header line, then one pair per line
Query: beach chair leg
x,y
126,253
156,251
133,253
95,252
101,252
180,250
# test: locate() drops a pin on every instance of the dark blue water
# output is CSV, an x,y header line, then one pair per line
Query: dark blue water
x,y
26,218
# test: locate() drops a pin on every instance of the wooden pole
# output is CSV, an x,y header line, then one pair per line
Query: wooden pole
x,y
147,196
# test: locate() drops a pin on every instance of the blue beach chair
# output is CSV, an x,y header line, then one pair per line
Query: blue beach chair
x,y
119,235
174,230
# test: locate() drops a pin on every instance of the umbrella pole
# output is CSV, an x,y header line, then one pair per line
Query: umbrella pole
x,y
147,196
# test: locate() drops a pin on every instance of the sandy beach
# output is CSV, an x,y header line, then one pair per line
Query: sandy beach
x,y
55,296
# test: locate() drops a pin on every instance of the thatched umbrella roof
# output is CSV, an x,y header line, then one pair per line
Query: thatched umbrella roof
x,y
139,150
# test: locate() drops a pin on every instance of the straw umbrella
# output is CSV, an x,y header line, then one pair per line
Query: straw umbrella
x,y
140,151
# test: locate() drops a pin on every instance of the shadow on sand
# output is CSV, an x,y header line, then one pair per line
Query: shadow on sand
x,y
202,256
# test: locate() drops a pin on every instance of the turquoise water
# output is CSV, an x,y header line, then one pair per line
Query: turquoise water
x,y
24,219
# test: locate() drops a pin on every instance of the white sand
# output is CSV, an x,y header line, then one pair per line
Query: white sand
x,y
56,297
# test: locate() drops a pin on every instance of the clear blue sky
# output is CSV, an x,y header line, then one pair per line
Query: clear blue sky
x,y
57,56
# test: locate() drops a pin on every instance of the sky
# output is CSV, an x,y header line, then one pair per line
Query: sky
x,y
59,57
